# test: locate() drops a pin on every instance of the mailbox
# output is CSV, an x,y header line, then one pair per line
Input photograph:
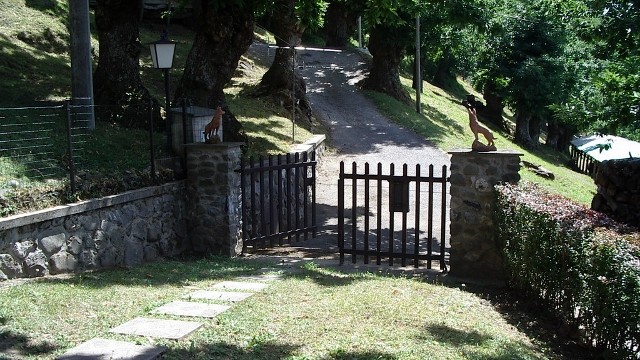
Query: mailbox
x,y
398,195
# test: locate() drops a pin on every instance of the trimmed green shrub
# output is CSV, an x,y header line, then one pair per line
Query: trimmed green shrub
x,y
579,263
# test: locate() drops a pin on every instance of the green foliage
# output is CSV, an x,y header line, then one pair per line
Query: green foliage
x,y
582,265
605,98
311,13
521,56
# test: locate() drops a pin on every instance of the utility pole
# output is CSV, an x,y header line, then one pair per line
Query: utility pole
x,y
293,96
360,31
418,75
81,64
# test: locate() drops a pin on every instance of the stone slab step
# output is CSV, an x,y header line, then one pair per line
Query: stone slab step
x,y
229,296
159,328
189,308
240,285
103,349
261,277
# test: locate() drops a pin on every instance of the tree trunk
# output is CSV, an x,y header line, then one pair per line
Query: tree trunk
x,y
339,24
553,134
116,83
522,135
279,80
559,136
384,75
535,128
493,109
443,71
224,34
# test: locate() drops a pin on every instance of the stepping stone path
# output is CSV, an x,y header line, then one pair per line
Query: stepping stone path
x,y
187,308
244,286
229,296
237,285
160,328
99,349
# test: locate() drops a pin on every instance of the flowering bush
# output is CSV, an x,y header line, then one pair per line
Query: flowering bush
x,y
583,265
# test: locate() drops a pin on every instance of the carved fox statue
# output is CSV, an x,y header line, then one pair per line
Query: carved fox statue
x,y
478,128
211,129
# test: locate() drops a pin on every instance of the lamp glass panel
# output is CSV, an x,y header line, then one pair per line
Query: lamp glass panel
x,y
154,57
164,55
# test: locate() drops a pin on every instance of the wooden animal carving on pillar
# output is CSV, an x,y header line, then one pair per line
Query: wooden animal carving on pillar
x,y
478,128
211,130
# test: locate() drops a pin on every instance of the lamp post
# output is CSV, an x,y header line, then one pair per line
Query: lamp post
x,y
162,54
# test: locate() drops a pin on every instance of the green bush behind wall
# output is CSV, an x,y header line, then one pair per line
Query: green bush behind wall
x,y
582,265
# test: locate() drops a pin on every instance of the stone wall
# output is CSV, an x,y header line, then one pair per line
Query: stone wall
x,y
213,189
116,231
201,215
474,249
618,194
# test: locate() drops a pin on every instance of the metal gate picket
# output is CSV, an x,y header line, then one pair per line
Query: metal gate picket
x,y
388,243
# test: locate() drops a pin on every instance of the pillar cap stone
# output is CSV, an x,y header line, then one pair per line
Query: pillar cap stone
x,y
221,145
485,153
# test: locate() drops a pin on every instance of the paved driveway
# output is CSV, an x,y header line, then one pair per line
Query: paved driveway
x,y
358,132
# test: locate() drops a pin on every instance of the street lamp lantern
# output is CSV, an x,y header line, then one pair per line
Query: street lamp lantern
x,y
162,54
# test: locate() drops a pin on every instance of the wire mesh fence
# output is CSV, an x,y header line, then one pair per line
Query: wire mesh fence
x,y
26,146
59,142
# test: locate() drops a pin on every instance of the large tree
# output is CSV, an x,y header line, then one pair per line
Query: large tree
x,y
522,65
116,81
340,21
224,33
392,33
288,20
608,100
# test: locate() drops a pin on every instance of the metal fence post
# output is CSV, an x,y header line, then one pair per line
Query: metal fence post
x,y
72,175
184,134
152,155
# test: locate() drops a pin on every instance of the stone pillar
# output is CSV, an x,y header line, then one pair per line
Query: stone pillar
x,y
213,198
474,249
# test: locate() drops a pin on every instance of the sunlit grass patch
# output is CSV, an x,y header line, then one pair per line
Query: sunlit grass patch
x,y
312,312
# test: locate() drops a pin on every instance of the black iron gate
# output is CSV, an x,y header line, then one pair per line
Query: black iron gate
x,y
278,199
377,201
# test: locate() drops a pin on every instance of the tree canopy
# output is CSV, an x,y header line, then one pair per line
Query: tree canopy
x,y
570,66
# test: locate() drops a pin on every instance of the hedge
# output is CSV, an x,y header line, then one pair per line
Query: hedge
x,y
582,265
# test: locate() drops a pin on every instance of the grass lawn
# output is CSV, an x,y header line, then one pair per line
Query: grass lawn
x,y
312,312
